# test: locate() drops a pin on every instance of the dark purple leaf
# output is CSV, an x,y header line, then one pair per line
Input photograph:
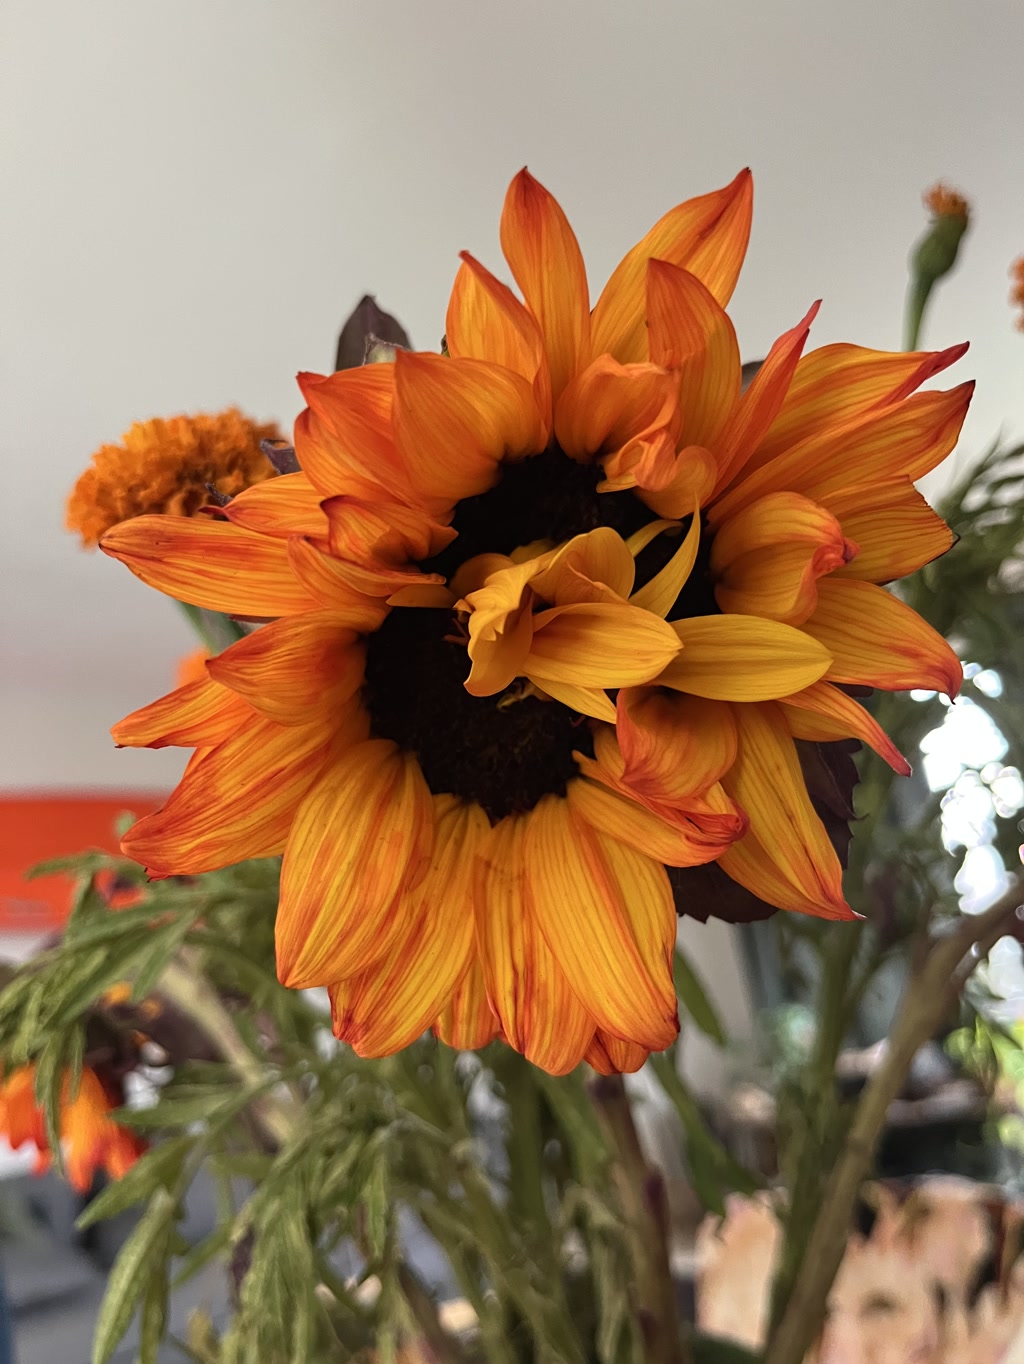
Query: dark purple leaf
x,y
365,321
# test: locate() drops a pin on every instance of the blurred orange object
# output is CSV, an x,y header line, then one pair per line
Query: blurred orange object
x,y
36,827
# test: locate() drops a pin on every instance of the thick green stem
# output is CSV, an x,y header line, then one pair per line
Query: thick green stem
x,y
926,1000
641,1193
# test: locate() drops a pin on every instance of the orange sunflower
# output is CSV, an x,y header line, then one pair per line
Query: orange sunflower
x,y
92,1140
546,614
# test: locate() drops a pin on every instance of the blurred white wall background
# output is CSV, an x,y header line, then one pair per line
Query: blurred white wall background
x,y
195,194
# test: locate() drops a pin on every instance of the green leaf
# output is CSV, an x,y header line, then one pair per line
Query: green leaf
x,y
141,1256
712,1350
160,1167
154,1314
694,997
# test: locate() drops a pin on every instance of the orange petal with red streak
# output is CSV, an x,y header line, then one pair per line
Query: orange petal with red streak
x,y
610,404
528,991
877,641
545,259
707,236
612,1056
287,505
673,745
350,437
329,583
467,1022
360,843
210,564
823,713
895,530
198,715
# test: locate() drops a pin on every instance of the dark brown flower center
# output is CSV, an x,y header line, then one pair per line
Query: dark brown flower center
x,y
502,752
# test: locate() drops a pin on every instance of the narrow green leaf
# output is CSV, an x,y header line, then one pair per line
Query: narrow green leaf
x,y
694,997
153,1322
159,1167
130,1276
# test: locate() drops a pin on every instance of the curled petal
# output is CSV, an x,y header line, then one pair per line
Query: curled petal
x,y
743,658
346,440
877,641
895,530
329,582
612,1056
610,405
660,593
344,900
674,746
786,857
210,564
546,261
378,542
693,478
540,1015
823,714
295,671
706,236
288,505
595,644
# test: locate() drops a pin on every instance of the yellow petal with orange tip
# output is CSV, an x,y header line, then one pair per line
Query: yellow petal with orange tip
x,y
198,715
659,594
610,404
547,264
743,658
454,421
757,408
360,843
823,713
676,839
347,433
612,1056
876,640
296,671
908,438
598,644
836,383
283,506
707,236
690,333
486,321
387,1006
606,913
895,530
498,653
528,991
780,581
210,564
778,518
236,800
330,586
467,1021
673,745
767,782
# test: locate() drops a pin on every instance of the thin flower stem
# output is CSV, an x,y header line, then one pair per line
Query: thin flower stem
x,y
642,1194
928,996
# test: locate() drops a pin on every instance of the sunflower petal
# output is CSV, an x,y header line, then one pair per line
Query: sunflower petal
x,y
467,1022
329,584
487,322
895,530
690,333
610,404
836,383
909,438
612,1056
606,913
590,701
347,439
360,842
198,715
767,782
210,564
546,261
234,802
823,713
387,1006
455,420
706,236
295,671
743,658
673,745
528,991
597,644
288,505
692,481
659,594
877,641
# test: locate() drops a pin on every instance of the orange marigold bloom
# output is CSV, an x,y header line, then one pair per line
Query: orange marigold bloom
x,y
1017,292
166,465
944,202
551,611
91,1139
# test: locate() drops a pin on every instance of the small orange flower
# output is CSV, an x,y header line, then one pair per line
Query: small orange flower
x,y
1017,292
944,202
168,466
91,1139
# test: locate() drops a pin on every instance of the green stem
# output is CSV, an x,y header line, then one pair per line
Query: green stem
x,y
641,1193
917,301
525,1145
927,998
216,631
